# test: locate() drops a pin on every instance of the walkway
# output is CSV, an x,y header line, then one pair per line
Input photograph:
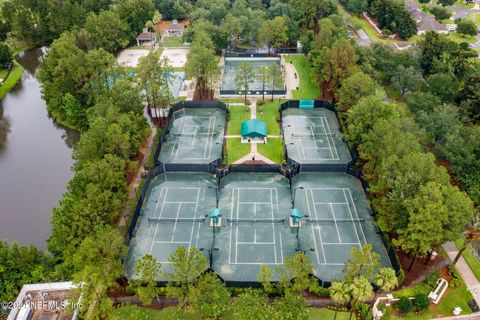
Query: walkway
x,y
292,81
466,273
253,155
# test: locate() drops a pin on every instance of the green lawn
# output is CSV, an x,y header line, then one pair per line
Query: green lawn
x,y
172,42
12,80
269,113
461,4
273,150
308,88
232,100
454,297
139,313
457,37
238,114
236,150
470,258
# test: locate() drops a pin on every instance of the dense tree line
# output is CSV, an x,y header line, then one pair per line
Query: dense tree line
x,y
391,15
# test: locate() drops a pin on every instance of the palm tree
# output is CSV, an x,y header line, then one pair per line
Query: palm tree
x,y
472,234
360,290
340,294
386,280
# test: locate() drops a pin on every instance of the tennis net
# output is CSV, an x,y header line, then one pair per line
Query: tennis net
x,y
158,220
256,220
194,134
333,220
313,135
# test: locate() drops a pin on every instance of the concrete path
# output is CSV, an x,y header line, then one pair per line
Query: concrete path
x,y
364,39
466,273
292,81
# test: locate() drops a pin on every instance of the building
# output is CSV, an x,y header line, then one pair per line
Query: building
x,y
175,29
424,21
253,130
146,37
46,301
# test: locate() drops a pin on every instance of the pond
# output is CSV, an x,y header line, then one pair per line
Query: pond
x,y
35,159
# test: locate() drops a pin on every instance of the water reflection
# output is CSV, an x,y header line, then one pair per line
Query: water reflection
x,y
35,159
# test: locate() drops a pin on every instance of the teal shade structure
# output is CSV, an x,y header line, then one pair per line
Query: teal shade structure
x,y
254,129
296,215
306,104
215,214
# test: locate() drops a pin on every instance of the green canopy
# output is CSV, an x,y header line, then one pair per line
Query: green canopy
x,y
254,129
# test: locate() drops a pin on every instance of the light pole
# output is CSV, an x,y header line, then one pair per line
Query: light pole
x,y
216,194
294,193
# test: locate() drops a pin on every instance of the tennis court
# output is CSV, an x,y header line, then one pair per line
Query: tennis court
x,y
195,135
173,215
255,229
336,218
313,136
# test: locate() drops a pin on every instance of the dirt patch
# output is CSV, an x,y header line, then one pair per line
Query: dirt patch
x,y
420,269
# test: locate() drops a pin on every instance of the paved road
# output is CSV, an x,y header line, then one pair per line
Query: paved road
x,y
364,39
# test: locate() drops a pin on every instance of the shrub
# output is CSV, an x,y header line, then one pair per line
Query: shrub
x,y
454,283
421,302
440,13
466,27
431,279
404,305
6,56
364,311
321,292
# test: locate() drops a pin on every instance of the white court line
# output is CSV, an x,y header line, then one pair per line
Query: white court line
x,y
336,157
328,140
257,263
351,216
193,222
330,203
335,222
181,202
356,213
236,234
249,242
230,238
171,242
253,202
313,230
176,220
343,243
272,207
160,214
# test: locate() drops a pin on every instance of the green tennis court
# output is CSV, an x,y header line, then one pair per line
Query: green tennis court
x,y
336,218
255,229
194,136
312,136
173,215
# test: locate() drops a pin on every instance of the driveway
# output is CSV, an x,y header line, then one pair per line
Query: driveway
x,y
364,39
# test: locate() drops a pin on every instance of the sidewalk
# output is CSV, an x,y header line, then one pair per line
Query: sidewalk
x,y
467,275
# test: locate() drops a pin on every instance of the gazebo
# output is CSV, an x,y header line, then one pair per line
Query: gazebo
x,y
253,131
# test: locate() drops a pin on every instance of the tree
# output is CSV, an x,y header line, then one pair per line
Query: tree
x,y
202,64
147,271
291,306
6,57
357,6
335,65
362,116
470,235
135,13
210,297
386,279
124,95
361,262
233,26
360,291
353,88
422,101
421,302
307,13
264,77
446,3
98,261
466,27
440,13
470,97
444,86
265,278
436,214
404,305
21,265
244,77
107,30
187,266
154,74
273,32
252,304
275,76
298,269
443,119
406,79
340,294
